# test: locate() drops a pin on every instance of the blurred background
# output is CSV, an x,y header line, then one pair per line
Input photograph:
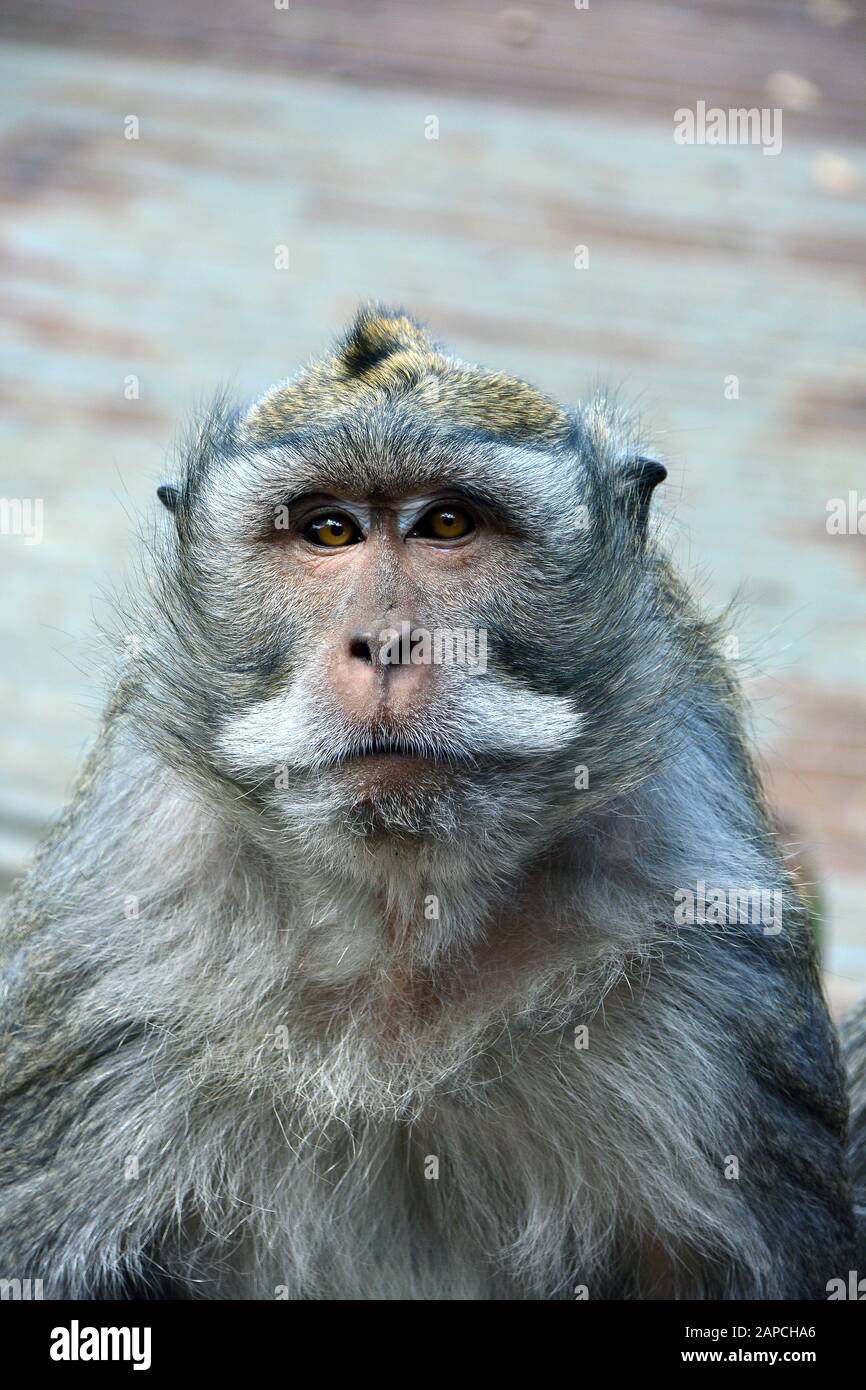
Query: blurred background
x,y
200,193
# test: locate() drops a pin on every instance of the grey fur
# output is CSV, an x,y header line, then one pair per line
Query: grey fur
x,y
854,1048
235,1092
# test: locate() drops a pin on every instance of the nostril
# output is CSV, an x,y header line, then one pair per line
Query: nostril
x,y
360,650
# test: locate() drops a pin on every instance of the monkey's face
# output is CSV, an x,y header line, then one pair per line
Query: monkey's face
x,y
408,601
395,609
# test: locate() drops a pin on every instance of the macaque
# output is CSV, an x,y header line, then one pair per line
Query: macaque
x,y
361,965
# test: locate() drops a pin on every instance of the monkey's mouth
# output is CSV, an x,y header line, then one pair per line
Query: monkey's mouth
x,y
396,750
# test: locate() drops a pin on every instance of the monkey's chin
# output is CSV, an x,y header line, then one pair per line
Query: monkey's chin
x,y
443,825
365,811
399,796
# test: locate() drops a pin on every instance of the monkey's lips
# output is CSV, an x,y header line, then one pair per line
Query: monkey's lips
x,y
394,762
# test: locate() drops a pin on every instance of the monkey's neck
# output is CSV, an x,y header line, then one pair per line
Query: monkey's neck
x,y
410,952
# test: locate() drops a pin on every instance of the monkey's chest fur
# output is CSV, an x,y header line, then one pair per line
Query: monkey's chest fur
x,y
495,1187
235,1118
483,1160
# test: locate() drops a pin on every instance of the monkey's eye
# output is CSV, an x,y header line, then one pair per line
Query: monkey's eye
x,y
332,530
448,523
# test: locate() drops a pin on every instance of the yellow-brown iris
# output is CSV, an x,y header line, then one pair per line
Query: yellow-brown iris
x,y
332,531
446,524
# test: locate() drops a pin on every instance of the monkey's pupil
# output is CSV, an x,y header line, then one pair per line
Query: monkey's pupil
x,y
449,523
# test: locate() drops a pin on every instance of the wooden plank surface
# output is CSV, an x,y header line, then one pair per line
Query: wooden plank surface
x,y
630,56
306,128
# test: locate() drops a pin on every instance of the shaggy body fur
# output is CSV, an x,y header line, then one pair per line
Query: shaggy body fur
x,y
854,1046
236,1038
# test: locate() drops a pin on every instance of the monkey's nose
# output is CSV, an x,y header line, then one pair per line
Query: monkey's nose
x,y
376,670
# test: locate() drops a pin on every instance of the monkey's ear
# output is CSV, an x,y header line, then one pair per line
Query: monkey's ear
x,y
169,496
641,477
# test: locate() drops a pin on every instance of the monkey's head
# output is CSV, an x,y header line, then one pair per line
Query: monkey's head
x,y
409,609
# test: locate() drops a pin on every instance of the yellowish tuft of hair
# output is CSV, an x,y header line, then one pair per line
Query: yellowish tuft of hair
x,y
385,355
